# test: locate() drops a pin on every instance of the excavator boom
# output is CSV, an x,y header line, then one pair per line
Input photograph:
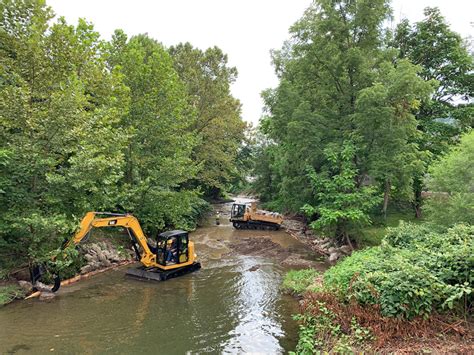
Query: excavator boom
x,y
173,256
128,221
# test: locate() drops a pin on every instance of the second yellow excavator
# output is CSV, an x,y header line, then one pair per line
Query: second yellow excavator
x,y
247,216
172,256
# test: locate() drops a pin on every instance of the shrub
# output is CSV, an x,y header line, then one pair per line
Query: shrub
x,y
405,234
412,273
9,293
298,281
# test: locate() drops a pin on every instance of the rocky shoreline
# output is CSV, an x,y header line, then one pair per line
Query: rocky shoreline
x,y
321,245
99,257
102,255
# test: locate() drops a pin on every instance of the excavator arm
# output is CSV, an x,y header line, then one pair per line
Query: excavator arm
x,y
91,220
150,269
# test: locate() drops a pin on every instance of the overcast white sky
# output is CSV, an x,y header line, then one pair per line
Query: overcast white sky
x,y
244,29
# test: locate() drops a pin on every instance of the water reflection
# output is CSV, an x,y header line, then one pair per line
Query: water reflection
x,y
258,327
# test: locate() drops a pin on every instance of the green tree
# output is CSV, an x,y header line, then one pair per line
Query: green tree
x,y
61,149
266,174
388,130
218,125
451,184
334,49
443,56
341,206
159,149
340,82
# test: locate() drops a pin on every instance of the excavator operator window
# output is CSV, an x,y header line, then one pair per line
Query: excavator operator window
x,y
172,249
183,248
238,211
161,251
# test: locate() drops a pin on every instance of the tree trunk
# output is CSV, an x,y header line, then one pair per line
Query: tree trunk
x,y
386,195
346,236
129,173
341,230
417,187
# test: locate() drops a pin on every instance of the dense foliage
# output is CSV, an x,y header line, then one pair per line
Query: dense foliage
x,y
402,287
87,124
450,110
341,206
413,273
218,124
347,80
417,273
451,183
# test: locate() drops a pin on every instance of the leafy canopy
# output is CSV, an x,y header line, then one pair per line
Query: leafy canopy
x,y
341,205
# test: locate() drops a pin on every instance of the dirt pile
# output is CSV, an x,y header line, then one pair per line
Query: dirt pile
x,y
265,247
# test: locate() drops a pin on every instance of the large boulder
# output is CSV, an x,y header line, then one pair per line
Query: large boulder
x,y
107,254
42,287
346,249
101,257
95,247
25,285
94,265
326,245
333,257
106,263
85,269
89,257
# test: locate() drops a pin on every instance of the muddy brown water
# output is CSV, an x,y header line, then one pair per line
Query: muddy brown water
x,y
232,305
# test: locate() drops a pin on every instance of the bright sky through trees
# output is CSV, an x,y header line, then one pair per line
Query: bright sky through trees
x,y
246,30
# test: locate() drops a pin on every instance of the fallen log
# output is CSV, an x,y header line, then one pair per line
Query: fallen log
x,y
92,273
33,295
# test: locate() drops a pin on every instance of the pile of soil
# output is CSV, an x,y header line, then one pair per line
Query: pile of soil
x,y
265,247
261,246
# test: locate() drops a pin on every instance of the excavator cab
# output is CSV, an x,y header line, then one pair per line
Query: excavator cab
x,y
238,211
172,247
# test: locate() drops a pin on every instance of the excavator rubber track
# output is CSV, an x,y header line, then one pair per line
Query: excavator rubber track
x,y
255,225
156,274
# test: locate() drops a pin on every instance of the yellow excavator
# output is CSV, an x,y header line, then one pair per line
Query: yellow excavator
x,y
172,256
247,216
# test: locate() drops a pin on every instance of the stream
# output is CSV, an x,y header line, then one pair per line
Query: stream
x,y
232,305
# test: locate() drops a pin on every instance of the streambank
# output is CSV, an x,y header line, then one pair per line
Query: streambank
x,y
330,325
94,258
411,290
324,246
